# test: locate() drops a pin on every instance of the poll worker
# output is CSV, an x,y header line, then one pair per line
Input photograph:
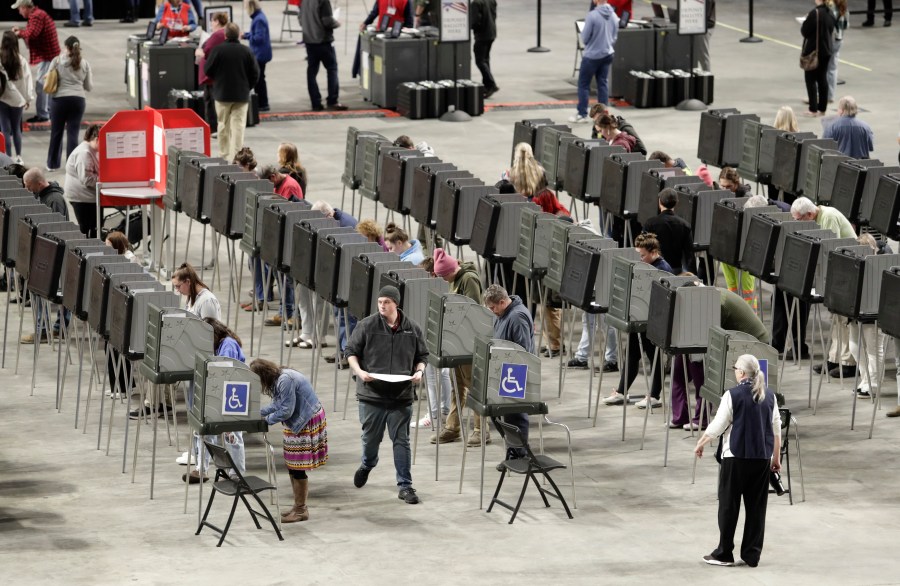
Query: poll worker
x,y
395,10
840,359
512,322
750,449
387,343
464,280
176,16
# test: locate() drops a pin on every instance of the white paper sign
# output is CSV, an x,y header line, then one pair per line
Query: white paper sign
x,y
126,145
454,21
691,17
186,139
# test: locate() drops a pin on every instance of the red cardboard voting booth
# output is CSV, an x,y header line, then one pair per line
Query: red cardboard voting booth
x,y
133,156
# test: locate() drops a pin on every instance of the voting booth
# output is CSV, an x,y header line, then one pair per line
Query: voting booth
x,y
174,338
425,179
496,227
585,165
395,172
129,308
452,325
867,212
695,206
603,284
629,295
228,202
827,174
102,277
800,262
580,272
416,287
303,254
849,180
362,275
561,235
197,178
526,131
457,202
275,230
25,237
681,314
722,136
13,211
372,147
853,281
255,202
533,254
353,157
886,206
552,142
74,275
725,346
808,160
621,179
504,373
888,315
46,268
815,159
787,159
655,180
332,261
90,263
748,166
226,397
174,170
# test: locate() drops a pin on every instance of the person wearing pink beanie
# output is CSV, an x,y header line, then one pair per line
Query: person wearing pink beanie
x,y
444,264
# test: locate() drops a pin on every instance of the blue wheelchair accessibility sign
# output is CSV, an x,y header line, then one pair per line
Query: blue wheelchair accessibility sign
x,y
236,400
512,380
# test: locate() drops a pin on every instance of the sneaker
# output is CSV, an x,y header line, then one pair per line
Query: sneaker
x,y
895,412
183,459
709,559
299,342
500,467
673,425
424,423
29,338
193,477
52,169
34,119
610,367
447,436
319,108
614,399
71,24
408,495
475,439
642,404
579,119
861,394
577,363
551,353
147,411
360,477
690,427
19,160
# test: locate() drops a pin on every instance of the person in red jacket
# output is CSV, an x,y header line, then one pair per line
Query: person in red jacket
x,y
621,7
43,46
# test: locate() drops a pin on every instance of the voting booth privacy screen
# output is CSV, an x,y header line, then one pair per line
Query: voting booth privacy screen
x,y
723,350
504,373
226,396
174,337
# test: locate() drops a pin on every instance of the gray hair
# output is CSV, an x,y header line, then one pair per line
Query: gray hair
x,y
750,366
848,106
323,206
494,294
267,171
803,206
757,201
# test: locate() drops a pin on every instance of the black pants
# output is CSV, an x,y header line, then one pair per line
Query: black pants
x,y
321,54
261,90
888,10
519,421
65,114
634,358
817,86
748,479
86,216
482,51
780,325
209,105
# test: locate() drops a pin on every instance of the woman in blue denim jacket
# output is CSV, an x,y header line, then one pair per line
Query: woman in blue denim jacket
x,y
296,406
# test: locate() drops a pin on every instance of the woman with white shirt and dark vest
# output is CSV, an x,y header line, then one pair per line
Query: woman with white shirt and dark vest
x,y
750,425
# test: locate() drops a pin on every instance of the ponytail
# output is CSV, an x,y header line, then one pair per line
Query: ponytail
x,y
759,387
750,367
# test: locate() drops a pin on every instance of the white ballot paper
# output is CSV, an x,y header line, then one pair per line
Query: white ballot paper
x,y
391,378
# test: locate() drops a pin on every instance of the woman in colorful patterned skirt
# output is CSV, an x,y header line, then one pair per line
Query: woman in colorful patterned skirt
x,y
296,406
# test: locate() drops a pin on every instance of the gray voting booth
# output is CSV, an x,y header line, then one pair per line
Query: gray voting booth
x,y
226,396
681,314
725,346
174,338
629,295
505,374
451,327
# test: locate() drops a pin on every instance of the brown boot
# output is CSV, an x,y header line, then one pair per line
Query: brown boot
x,y
299,512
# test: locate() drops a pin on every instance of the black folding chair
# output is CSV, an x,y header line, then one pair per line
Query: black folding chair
x,y
237,486
529,465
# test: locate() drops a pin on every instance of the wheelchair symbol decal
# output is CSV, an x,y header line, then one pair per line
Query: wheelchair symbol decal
x,y
512,380
236,399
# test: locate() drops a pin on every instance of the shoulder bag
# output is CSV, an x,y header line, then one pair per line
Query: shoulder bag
x,y
51,82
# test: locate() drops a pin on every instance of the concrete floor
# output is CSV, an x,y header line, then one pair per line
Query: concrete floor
x,y
67,513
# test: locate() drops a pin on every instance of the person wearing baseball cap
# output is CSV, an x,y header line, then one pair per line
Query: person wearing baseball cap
x,y
387,343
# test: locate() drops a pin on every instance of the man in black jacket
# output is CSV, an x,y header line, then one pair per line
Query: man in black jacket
x,y
48,192
676,240
234,71
387,343
318,23
484,27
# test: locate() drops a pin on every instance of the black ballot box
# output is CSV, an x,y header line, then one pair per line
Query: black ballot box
x,y
787,160
750,152
703,86
328,261
580,272
681,314
849,180
451,327
435,99
640,89
226,397
174,337
306,242
129,305
183,99
722,137
504,373
723,349
663,88
164,68
411,100
696,203
886,206
457,204
472,93
224,203
888,310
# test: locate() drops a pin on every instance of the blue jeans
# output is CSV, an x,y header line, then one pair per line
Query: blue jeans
x,y
520,422
587,322
39,308
591,69
374,419
42,101
65,115
342,327
11,126
322,54
88,11
287,294
198,7
831,73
